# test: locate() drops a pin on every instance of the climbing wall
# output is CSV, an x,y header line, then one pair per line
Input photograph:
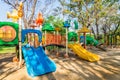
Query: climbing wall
x,y
53,39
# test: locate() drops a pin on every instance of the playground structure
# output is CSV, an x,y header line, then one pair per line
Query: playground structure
x,y
84,30
9,36
52,39
36,60
83,53
38,56
92,42
89,40
57,40
8,33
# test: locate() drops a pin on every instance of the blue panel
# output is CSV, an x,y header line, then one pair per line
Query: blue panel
x,y
26,31
37,62
66,24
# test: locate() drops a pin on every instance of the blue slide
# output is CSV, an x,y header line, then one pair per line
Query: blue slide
x,y
37,62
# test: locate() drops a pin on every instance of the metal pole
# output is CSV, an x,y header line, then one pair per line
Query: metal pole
x,y
57,43
66,55
45,39
20,44
41,31
84,40
41,28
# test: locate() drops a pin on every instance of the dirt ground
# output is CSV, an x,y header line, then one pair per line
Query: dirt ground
x,y
73,68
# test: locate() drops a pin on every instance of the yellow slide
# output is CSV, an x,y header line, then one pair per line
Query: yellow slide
x,y
83,53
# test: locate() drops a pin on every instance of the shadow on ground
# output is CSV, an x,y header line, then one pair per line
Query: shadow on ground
x,y
75,68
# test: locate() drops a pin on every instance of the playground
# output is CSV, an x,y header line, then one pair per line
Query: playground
x,y
60,48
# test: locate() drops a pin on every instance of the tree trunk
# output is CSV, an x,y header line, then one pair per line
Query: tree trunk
x,y
32,12
105,34
117,27
93,33
97,29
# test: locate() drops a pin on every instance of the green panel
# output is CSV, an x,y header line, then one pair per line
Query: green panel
x,y
13,25
76,24
91,40
72,36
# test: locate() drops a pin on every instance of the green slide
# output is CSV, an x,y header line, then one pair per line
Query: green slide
x,y
91,40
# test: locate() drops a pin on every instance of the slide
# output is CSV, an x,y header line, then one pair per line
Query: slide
x,y
90,40
83,53
37,62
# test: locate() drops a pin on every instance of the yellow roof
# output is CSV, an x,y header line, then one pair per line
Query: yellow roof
x,y
84,30
57,29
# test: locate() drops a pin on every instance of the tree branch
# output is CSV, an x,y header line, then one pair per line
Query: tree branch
x,y
33,12
10,3
117,27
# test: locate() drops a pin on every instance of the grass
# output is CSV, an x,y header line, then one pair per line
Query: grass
x,y
6,49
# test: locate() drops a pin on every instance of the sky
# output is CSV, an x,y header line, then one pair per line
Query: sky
x,y
4,8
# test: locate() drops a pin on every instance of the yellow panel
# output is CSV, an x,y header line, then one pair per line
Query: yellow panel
x,y
1,33
9,34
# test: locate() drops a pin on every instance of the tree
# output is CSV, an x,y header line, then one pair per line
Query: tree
x,y
31,8
90,12
56,22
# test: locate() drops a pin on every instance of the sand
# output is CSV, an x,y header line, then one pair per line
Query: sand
x,y
72,68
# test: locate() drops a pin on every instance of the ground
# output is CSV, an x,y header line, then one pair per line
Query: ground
x,y
73,68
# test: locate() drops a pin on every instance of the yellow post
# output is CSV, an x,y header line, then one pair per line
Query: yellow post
x,y
20,14
17,15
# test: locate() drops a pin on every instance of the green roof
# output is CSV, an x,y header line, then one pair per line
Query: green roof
x,y
48,27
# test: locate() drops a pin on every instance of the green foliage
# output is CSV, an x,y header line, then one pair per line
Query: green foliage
x,y
111,2
56,22
49,19
92,12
